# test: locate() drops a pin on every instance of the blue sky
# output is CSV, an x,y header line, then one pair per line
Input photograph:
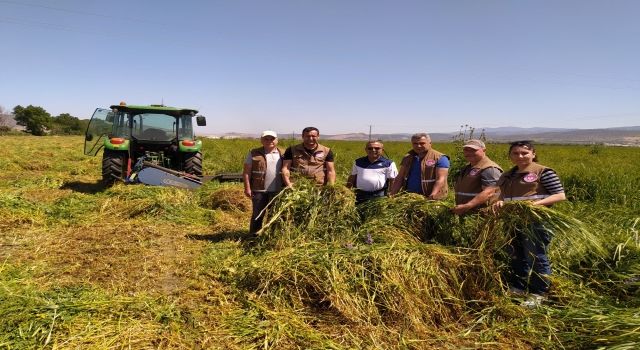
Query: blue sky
x,y
399,66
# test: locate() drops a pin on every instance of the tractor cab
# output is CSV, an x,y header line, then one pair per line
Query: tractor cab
x,y
161,135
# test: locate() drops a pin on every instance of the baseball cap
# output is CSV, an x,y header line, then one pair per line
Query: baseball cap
x,y
269,133
475,144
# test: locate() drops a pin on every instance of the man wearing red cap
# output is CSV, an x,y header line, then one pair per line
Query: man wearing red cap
x,y
476,184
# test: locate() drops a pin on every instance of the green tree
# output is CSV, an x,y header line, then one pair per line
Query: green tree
x,y
35,119
67,124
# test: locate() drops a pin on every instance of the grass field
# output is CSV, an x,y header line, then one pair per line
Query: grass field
x,y
140,267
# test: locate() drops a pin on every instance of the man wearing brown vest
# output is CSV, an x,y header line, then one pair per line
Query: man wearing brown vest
x,y
309,159
423,170
477,183
262,176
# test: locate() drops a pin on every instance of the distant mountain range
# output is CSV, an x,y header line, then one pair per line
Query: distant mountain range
x,y
628,136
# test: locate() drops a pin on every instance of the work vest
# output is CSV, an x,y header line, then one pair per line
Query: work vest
x,y
427,172
522,185
311,166
259,168
469,182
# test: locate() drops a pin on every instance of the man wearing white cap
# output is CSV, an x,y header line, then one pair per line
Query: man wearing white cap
x,y
262,176
477,183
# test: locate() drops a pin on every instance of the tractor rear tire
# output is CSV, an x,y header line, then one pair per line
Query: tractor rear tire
x,y
114,166
192,163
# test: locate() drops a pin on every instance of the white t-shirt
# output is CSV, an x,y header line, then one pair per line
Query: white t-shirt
x,y
272,178
372,177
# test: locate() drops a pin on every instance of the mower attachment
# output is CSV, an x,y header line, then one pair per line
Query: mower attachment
x,y
153,174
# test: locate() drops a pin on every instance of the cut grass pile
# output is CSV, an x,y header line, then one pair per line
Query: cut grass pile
x,y
319,260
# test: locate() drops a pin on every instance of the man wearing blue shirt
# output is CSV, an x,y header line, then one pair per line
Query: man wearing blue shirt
x,y
372,174
423,170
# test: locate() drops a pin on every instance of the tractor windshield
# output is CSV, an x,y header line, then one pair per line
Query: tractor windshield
x,y
99,127
161,127
153,127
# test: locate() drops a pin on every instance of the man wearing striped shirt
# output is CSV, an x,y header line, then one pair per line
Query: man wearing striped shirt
x,y
529,181
372,174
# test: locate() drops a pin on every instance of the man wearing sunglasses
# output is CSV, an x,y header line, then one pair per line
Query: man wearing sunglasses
x,y
371,175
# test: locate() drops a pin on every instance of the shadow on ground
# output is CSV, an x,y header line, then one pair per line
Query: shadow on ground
x,y
247,239
84,187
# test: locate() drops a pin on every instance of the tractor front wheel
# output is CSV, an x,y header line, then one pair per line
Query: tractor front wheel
x,y
192,163
114,166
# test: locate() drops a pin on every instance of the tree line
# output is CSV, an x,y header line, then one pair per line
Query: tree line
x,y
37,121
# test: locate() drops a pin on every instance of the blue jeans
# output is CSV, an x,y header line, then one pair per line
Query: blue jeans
x,y
530,264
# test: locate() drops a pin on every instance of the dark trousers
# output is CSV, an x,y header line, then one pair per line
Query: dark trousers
x,y
363,196
530,264
259,201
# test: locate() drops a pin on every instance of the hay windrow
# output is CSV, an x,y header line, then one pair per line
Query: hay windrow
x,y
428,221
370,267
401,285
573,242
308,213
227,198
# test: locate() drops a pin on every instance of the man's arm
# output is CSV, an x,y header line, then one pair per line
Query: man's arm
x,y
550,181
396,185
330,173
286,172
481,198
439,185
554,198
353,178
246,175
391,174
351,181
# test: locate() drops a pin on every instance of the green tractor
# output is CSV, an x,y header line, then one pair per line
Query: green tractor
x,y
154,136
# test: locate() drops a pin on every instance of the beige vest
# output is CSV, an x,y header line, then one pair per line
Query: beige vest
x,y
311,166
469,182
522,185
427,172
259,168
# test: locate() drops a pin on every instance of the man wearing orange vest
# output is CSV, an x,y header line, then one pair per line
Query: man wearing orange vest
x,y
309,159
262,176
423,170
477,183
